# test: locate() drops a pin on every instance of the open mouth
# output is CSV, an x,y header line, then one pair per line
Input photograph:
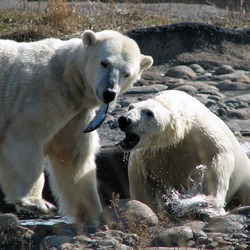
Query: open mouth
x,y
130,141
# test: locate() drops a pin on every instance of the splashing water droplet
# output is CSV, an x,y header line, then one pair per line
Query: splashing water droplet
x,y
197,184
125,156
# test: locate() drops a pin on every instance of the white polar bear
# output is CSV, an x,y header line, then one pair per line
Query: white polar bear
x,y
176,143
48,92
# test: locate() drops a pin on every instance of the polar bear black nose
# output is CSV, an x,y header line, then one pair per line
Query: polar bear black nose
x,y
109,95
124,121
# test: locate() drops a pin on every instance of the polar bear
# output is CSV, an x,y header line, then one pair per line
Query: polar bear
x,y
49,91
178,144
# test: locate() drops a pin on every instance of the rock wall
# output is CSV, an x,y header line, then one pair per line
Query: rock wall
x,y
187,43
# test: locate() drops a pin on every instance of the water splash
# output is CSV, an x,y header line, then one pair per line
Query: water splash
x,y
181,201
125,157
196,186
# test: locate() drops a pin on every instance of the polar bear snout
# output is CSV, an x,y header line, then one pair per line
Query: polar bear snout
x,y
131,139
109,95
124,122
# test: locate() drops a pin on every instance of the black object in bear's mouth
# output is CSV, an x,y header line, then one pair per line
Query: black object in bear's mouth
x,y
98,119
130,141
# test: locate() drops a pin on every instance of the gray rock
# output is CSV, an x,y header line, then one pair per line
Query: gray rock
x,y
205,77
176,236
187,88
181,71
245,210
225,224
54,241
146,89
197,69
243,113
126,214
237,76
8,221
239,98
232,86
196,227
225,69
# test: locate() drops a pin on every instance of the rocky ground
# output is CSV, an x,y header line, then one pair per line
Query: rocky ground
x,y
209,63
215,71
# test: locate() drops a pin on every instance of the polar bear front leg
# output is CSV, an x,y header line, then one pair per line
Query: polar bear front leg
x,y
73,172
34,202
217,177
21,176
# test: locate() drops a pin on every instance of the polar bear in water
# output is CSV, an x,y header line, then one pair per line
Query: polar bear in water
x,y
173,139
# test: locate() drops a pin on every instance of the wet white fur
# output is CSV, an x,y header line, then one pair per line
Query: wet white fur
x,y
181,135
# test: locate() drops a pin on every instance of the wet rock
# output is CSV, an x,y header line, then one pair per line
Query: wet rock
x,y
127,214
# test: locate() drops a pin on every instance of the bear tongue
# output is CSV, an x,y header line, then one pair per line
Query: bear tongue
x,y
98,119
129,142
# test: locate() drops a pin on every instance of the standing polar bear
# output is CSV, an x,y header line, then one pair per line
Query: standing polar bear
x,y
49,91
176,143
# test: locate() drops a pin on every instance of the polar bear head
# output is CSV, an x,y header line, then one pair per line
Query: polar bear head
x,y
113,62
156,123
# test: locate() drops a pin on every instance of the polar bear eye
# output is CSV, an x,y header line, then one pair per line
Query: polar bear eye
x,y
130,107
105,64
149,113
126,75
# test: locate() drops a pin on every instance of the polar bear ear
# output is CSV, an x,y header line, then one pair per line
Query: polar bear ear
x,y
146,62
89,37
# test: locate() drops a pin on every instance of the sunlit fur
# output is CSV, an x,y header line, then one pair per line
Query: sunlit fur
x,y
181,135
49,91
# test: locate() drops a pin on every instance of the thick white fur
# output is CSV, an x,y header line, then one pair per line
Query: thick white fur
x,y
48,92
180,137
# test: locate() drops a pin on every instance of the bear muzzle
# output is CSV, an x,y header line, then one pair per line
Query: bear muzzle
x,y
109,95
124,122
131,139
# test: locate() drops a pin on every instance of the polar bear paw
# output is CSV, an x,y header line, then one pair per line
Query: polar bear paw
x,y
37,206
